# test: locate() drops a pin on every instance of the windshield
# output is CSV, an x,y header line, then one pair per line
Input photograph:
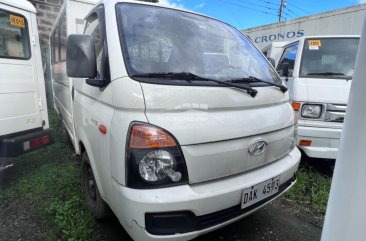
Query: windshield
x,y
329,57
161,40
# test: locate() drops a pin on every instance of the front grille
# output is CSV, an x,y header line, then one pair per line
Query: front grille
x,y
335,113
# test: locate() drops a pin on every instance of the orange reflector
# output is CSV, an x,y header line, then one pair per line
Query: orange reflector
x,y
102,129
305,143
296,106
143,136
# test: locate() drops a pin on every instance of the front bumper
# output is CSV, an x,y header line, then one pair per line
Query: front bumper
x,y
206,206
324,141
16,144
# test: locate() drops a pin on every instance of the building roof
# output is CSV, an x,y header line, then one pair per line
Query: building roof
x,y
21,4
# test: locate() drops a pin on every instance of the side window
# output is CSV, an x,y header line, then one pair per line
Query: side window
x,y
53,48
63,38
14,36
59,41
289,56
57,46
92,28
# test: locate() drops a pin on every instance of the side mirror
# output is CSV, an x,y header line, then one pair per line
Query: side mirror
x,y
80,56
272,61
285,71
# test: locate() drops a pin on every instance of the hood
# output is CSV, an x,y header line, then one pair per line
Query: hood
x,y
201,114
332,91
216,126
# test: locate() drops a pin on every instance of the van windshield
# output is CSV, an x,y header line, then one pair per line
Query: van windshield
x,y
162,40
329,58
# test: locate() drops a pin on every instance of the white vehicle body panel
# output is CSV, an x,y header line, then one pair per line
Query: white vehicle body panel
x,y
213,126
202,199
74,12
325,136
22,87
274,50
345,216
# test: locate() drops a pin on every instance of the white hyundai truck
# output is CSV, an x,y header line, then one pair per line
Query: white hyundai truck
x,y
24,122
182,124
318,72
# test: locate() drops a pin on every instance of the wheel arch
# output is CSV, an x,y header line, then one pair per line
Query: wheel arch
x,y
86,148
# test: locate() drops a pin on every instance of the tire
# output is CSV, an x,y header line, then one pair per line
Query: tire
x,y
94,201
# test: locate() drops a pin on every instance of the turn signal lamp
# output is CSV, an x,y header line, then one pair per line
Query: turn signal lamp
x,y
305,143
143,136
296,106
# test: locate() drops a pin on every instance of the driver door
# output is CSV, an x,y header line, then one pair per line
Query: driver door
x,y
288,56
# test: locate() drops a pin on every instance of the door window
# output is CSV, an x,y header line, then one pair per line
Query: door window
x,y
59,41
92,28
63,38
14,36
289,56
95,27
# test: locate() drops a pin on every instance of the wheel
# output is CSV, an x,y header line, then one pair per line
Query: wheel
x,y
94,201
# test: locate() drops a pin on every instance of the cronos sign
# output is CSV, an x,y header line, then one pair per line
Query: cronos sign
x,y
279,36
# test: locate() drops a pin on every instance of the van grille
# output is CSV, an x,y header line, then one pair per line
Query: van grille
x,y
335,113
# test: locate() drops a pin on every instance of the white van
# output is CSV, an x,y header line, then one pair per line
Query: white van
x,y
318,72
182,124
23,114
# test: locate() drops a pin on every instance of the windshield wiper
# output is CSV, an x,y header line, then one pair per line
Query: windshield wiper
x,y
329,74
192,77
252,79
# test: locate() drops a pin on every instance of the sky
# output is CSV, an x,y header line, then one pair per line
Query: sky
x,y
244,14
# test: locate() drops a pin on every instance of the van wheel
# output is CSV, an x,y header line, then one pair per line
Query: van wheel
x,y
94,201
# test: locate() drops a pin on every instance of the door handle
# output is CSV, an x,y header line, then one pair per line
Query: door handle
x,y
72,93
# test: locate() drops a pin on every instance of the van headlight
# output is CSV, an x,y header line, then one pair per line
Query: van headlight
x,y
157,165
154,158
311,111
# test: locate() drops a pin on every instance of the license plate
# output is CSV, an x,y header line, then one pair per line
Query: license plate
x,y
260,191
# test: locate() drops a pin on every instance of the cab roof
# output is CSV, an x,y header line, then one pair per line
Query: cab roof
x,y
21,4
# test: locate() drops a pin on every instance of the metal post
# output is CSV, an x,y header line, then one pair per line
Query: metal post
x,y
280,11
346,212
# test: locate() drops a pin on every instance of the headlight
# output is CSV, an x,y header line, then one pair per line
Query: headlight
x,y
154,158
311,111
157,165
